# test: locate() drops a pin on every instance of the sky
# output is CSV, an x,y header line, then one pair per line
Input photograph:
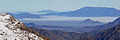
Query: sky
x,y
56,5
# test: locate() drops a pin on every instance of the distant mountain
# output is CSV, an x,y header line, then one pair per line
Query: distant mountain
x,y
91,12
77,23
110,24
46,11
44,26
90,21
99,28
81,27
21,15
109,31
83,12
87,22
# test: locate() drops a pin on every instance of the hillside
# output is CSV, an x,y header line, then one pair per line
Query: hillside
x,y
109,34
60,35
12,29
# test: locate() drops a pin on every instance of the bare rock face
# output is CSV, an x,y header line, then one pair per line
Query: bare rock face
x,y
12,29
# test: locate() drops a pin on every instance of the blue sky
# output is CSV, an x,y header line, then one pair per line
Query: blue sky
x,y
57,5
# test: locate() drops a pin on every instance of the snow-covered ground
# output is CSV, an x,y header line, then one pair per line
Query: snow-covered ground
x,y
10,29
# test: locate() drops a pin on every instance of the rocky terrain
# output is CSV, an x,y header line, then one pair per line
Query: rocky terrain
x,y
12,29
109,31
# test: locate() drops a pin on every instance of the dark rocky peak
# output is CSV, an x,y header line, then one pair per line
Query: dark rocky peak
x,y
117,20
88,20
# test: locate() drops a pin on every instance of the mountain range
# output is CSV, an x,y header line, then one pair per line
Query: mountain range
x,y
90,21
90,12
46,12
107,25
37,14
22,15
83,12
81,27
108,31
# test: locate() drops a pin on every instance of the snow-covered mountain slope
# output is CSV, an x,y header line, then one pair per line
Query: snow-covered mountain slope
x,y
12,29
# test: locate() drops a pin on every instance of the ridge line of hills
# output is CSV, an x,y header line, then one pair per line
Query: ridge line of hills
x,y
83,12
12,29
109,31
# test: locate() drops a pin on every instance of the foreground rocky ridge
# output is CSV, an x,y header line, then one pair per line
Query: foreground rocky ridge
x,y
109,34
12,29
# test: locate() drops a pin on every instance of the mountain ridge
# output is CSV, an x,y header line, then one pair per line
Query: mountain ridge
x,y
82,12
109,34
11,28
90,21
91,12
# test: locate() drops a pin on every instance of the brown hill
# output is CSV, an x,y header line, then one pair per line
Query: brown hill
x,y
109,34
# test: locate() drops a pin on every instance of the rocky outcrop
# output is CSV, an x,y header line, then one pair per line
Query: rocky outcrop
x,y
12,29
109,34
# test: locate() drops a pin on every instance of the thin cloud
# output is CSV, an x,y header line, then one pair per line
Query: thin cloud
x,y
64,18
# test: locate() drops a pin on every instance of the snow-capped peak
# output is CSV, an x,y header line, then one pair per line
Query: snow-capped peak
x,y
12,29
